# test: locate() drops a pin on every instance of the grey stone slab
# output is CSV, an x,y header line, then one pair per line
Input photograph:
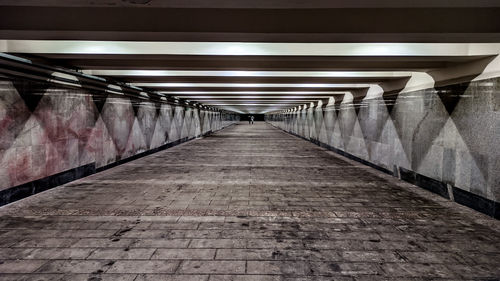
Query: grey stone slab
x,y
74,266
213,267
165,277
278,267
20,266
46,242
142,266
245,278
57,253
217,243
184,254
254,204
122,254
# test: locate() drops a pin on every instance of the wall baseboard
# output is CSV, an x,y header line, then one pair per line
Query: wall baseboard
x,y
476,202
144,153
463,197
424,182
24,190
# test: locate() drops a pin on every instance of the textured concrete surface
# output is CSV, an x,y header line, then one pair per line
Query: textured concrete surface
x,y
248,203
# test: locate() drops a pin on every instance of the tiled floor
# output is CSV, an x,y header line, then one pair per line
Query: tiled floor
x,y
248,203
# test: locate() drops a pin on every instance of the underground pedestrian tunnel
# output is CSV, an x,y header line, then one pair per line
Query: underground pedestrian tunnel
x,y
126,151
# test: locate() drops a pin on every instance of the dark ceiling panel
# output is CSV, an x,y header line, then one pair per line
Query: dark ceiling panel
x,y
232,79
197,62
242,89
257,4
257,25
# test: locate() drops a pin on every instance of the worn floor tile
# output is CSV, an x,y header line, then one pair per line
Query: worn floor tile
x,y
141,266
210,267
184,254
249,203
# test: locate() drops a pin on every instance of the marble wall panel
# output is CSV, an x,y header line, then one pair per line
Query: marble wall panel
x,y
311,123
206,121
450,134
196,124
177,122
136,141
13,114
47,129
162,126
118,116
146,116
186,123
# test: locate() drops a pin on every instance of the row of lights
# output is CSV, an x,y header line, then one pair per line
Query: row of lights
x,y
72,80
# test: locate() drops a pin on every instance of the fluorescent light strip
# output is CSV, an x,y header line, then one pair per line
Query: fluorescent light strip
x,y
244,101
182,93
249,85
254,97
250,104
240,73
247,49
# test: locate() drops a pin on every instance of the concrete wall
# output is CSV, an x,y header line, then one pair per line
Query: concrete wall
x,y
46,129
442,139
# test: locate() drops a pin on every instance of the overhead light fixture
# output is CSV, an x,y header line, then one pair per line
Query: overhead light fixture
x,y
243,73
64,79
114,89
246,48
184,93
251,85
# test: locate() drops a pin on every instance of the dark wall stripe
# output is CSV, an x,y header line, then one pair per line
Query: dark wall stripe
x,y
425,182
476,202
27,189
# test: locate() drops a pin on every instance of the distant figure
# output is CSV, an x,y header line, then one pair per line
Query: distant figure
x,y
251,120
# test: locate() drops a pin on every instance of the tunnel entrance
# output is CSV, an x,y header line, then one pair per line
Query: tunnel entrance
x,y
257,117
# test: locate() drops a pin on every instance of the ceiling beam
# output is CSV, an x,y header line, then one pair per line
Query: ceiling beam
x,y
257,4
276,22
74,47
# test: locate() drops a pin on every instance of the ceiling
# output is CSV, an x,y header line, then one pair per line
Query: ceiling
x,y
252,56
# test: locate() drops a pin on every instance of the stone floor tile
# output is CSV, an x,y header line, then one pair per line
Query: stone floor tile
x,y
212,267
78,277
20,266
278,267
141,266
46,242
164,277
217,243
426,270
160,243
246,203
184,254
122,254
343,268
245,278
74,266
